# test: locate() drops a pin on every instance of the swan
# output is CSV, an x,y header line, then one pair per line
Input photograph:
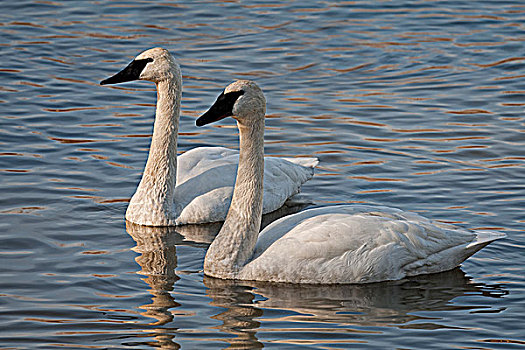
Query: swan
x,y
324,245
197,186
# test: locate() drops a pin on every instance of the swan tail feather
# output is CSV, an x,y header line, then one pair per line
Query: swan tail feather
x,y
483,238
306,162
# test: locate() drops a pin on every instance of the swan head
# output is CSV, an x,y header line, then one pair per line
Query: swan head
x,y
154,65
242,100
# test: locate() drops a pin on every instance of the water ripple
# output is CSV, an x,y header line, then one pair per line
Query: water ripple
x,y
417,105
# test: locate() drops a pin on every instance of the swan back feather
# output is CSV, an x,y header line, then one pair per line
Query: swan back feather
x,y
358,244
206,178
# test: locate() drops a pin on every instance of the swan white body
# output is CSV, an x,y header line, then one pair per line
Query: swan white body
x,y
197,186
327,245
358,244
206,176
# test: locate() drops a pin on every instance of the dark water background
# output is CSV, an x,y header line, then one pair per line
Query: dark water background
x,y
417,105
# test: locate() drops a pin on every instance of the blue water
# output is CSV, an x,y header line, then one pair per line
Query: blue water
x,y
417,105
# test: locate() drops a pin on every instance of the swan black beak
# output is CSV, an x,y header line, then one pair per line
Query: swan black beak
x,y
222,108
131,72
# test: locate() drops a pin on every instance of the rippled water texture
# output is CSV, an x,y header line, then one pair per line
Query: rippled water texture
x,y
417,105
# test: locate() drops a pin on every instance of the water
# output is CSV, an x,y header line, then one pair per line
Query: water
x,y
417,105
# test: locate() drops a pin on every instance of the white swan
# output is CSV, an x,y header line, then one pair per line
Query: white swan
x,y
197,187
335,244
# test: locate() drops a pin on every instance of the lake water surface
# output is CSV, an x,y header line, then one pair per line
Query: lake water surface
x,y
417,105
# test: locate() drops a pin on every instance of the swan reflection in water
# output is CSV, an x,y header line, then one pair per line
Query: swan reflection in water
x,y
158,257
244,303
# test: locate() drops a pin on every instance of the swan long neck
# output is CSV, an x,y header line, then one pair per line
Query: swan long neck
x,y
163,150
152,203
235,243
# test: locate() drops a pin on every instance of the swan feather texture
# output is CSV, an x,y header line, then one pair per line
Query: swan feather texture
x,y
326,245
358,244
206,177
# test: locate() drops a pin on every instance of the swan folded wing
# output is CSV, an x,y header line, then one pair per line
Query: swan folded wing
x,y
206,176
206,185
211,206
283,179
355,244
199,160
